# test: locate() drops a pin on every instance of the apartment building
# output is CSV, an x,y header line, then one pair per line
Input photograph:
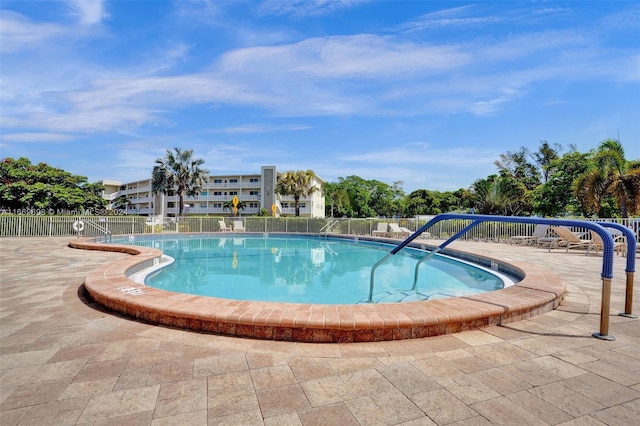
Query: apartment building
x,y
256,191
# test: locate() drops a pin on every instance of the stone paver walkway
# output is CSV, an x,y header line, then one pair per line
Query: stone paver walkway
x,y
65,361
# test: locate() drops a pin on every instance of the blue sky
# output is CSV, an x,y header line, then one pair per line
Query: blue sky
x,y
429,93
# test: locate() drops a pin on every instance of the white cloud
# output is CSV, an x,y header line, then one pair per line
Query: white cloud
x,y
300,8
423,153
263,128
36,137
19,33
88,12
453,17
363,74
357,56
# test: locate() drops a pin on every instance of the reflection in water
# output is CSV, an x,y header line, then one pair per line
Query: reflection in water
x,y
306,270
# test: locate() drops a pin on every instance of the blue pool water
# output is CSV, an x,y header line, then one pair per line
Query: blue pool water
x,y
307,270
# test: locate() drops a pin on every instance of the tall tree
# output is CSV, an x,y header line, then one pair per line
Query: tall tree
x,y
358,191
384,198
610,175
39,186
556,196
337,200
298,183
517,166
178,172
545,155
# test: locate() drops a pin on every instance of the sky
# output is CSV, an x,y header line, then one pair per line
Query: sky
x,y
428,93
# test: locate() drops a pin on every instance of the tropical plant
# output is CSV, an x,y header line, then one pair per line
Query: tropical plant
x,y
299,184
228,205
121,202
178,173
610,175
500,195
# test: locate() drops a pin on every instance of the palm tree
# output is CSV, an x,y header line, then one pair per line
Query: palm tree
x,y
178,172
121,202
610,175
228,205
297,183
500,195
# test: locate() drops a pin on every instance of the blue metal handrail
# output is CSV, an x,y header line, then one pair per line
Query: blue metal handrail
x,y
607,252
630,269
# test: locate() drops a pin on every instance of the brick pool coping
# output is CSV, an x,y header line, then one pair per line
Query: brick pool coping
x,y
538,292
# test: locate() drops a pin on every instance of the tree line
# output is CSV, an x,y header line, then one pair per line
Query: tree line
x,y
547,182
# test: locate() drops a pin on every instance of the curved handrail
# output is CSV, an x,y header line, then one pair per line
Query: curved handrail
x,y
607,252
630,238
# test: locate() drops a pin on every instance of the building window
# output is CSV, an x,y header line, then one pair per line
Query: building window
x,y
171,204
217,205
233,192
254,205
204,193
303,205
233,180
217,181
285,205
254,180
217,192
254,192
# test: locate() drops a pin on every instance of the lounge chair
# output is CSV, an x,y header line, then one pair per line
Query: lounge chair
x,y
540,231
238,226
381,231
396,232
570,240
619,243
223,226
407,230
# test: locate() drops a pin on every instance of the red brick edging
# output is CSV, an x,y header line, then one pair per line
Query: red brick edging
x,y
540,291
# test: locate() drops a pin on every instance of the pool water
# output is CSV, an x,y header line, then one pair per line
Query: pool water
x,y
316,270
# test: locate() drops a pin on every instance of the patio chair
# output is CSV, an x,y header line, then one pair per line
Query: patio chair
x,y
238,226
223,226
539,231
396,232
381,231
619,243
570,240
408,231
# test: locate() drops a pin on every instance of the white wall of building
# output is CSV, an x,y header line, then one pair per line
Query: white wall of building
x,y
257,191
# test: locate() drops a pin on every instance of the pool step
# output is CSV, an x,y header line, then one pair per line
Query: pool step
x,y
399,296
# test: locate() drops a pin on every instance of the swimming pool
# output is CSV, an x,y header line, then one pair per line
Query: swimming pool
x,y
110,286
306,269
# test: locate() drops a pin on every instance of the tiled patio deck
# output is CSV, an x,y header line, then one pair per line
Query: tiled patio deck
x,y
64,361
